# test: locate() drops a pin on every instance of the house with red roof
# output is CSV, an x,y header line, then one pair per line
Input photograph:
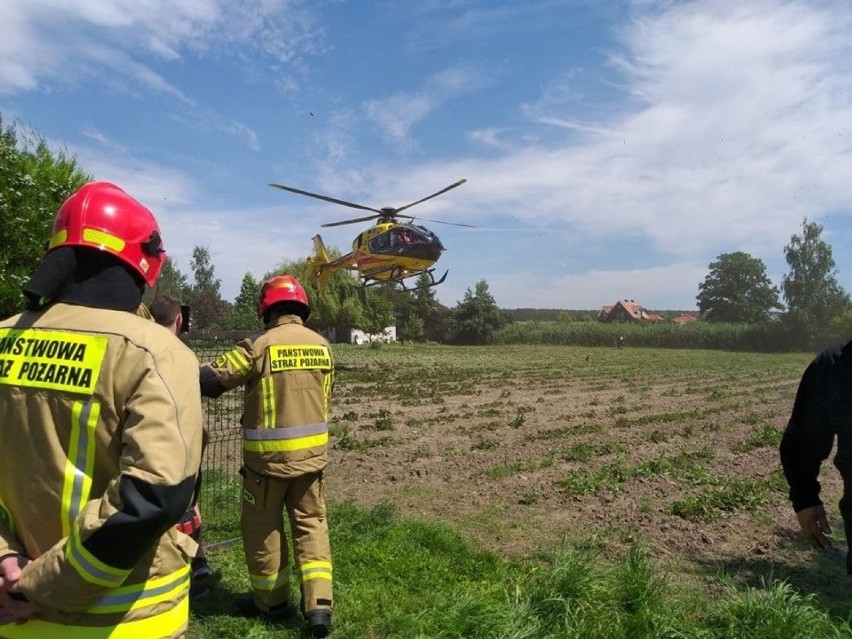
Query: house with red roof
x,y
685,318
629,311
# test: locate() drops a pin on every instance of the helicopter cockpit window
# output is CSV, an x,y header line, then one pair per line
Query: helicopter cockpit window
x,y
403,235
427,235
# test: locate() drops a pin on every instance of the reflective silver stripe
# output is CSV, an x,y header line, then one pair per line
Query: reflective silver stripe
x,y
143,594
90,567
269,582
292,432
79,476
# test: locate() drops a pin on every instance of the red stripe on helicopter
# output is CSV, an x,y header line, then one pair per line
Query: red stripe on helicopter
x,y
363,258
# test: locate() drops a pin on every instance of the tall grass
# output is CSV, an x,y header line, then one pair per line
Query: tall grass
x,y
767,338
407,579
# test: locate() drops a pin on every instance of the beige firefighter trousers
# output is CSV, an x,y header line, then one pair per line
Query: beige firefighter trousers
x,y
264,501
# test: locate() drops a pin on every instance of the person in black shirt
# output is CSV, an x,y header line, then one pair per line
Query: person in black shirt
x,y
822,411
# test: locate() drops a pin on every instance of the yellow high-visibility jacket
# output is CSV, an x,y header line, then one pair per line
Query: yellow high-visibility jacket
x,y
288,373
100,444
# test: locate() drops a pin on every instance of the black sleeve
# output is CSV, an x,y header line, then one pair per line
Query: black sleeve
x,y
147,512
210,384
809,436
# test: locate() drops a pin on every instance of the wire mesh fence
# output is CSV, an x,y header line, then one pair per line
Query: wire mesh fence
x,y
220,495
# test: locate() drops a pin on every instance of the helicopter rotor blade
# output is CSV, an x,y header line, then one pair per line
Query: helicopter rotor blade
x,y
426,219
327,199
352,221
429,197
384,216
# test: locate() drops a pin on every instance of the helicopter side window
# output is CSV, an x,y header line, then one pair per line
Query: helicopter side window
x,y
380,243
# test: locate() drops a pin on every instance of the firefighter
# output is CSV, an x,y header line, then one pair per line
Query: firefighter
x,y
169,312
287,372
100,440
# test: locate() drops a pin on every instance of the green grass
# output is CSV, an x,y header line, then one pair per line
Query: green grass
x,y
401,578
766,435
726,496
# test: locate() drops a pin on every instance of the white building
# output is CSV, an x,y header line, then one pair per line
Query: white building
x,y
360,337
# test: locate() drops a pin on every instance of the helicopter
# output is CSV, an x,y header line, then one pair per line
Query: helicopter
x,y
391,251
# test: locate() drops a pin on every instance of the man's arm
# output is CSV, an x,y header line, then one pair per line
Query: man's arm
x,y
230,370
210,384
808,438
806,443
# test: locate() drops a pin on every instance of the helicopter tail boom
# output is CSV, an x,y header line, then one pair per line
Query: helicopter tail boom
x,y
321,265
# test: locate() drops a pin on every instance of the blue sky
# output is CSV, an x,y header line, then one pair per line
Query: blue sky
x,y
612,149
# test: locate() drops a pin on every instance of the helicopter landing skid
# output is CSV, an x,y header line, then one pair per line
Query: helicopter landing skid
x,y
400,279
432,281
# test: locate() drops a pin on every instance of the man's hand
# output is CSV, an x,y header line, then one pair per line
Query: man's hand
x,y
13,607
10,571
815,526
15,610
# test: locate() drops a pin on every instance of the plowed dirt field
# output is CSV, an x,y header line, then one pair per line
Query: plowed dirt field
x,y
524,448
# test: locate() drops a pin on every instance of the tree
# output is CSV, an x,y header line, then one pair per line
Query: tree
x,y
171,281
245,304
34,182
418,313
475,319
811,290
404,311
737,290
378,312
203,271
243,312
841,326
208,307
424,311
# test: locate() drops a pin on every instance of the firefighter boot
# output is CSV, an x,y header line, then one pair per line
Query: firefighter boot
x,y
246,607
319,622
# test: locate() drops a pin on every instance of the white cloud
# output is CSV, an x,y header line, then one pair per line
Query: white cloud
x,y
159,187
252,240
263,238
242,131
397,114
59,40
488,137
739,126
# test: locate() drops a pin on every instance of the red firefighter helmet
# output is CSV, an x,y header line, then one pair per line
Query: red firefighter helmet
x,y
102,216
282,288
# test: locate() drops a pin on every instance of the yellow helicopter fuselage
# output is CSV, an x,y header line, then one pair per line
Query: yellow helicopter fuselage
x,y
386,252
